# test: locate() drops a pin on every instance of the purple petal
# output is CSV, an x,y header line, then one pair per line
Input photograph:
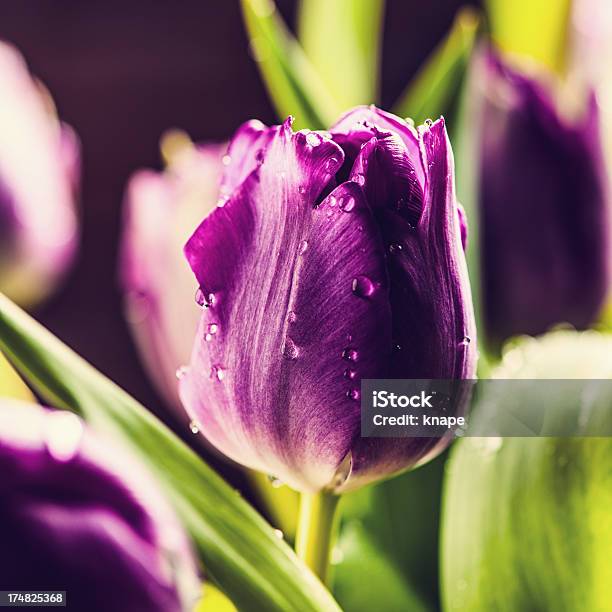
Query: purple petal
x,y
161,212
76,513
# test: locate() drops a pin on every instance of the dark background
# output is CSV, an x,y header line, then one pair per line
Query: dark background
x,y
121,72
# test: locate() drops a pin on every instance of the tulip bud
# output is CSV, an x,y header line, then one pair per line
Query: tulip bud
x,y
77,516
543,199
334,256
39,165
161,211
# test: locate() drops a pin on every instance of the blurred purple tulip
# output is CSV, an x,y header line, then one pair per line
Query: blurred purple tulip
x,y
332,257
161,211
544,202
39,170
78,516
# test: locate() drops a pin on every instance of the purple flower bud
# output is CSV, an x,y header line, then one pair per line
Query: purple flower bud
x,y
161,211
335,257
77,515
544,203
39,168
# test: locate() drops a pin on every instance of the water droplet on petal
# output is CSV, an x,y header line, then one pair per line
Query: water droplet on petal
x,y
276,483
291,316
350,373
465,341
259,156
359,179
395,248
181,372
347,204
193,427
222,201
217,372
211,330
350,354
290,349
279,534
210,300
226,160
313,139
331,164
362,286
302,189
428,122
333,201
353,394
303,247
63,435
409,121
349,337
200,298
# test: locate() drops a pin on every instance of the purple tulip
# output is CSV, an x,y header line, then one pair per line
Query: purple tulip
x,y
544,203
39,168
78,516
332,257
161,211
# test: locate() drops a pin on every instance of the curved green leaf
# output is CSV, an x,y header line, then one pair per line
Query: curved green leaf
x,y
293,84
435,89
256,569
526,521
342,40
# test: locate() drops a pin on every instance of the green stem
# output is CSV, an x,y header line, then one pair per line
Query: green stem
x,y
316,532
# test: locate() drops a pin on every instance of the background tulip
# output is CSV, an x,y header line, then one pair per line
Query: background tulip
x,y
39,168
77,516
161,211
332,257
544,204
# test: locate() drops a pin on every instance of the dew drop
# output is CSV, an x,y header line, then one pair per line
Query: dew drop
x,y
350,373
291,316
428,122
333,201
200,298
347,204
222,201
276,483
279,534
330,164
290,350
63,435
465,341
329,213
349,337
359,179
362,286
259,156
226,160
409,121
350,354
181,372
211,330
210,300
313,139
303,246
353,394
217,372
395,248
193,427
302,189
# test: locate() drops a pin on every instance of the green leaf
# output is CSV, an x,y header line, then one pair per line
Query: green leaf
x,y
400,520
239,549
435,89
342,40
293,84
536,29
526,521
367,579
